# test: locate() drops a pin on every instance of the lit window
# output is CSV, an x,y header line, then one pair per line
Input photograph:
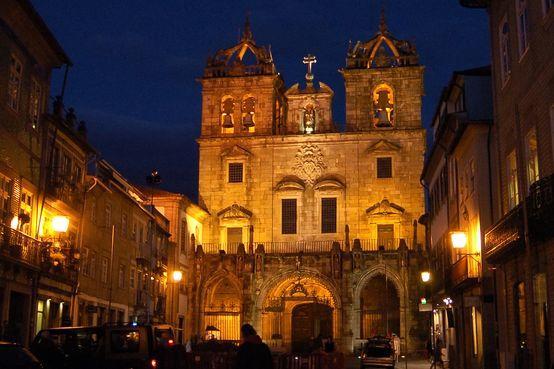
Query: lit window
x,y
35,103
26,211
384,167
504,41
329,215
532,157
288,216
513,191
540,298
14,87
235,172
522,25
521,315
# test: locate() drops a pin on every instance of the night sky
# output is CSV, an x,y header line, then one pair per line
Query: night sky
x,y
135,62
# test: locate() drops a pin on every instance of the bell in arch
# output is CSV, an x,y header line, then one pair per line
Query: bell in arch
x,y
248,120
227,121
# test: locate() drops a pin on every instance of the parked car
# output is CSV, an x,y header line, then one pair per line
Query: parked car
x,y
112,346
15,356
378,352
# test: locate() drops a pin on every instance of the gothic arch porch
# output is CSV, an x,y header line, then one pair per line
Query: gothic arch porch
x,y
221,303
304,296
371,313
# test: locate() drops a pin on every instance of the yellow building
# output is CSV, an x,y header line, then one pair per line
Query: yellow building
x,y
310,228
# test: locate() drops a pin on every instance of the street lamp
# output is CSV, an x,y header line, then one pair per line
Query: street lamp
x,y
425,276
459,239
177,276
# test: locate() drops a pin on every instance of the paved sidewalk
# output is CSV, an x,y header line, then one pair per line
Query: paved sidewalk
x,y
352,362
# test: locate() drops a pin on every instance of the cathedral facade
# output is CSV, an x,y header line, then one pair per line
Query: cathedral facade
x,y
312,230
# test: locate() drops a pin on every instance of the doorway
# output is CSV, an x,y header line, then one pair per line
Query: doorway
x,y
308,322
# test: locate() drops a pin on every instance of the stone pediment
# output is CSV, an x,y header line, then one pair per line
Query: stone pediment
x,y
383,146
235,151
290,183
234,211
385,207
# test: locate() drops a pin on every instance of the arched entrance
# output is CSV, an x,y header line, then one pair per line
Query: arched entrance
x,y
379,308
300,304
222,309
309,321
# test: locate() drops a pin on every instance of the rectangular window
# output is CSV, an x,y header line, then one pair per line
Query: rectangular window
x,y
108,216
532,157
5,196
235,172
329,215
35,103
522,26
513,191
504,49
26,207
85,261
123,225
184,237
547,6
384,167
14,83
93,210
541,317
132,276
92,264
104,275
521,315
475,319
121,276
288,216
385,236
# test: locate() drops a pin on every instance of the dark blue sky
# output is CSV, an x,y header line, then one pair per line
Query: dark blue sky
x,y
135,62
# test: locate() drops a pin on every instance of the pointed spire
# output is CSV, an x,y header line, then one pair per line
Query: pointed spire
x,y
382,23
247,32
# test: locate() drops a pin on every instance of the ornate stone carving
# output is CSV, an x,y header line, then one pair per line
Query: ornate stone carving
x,y
309,163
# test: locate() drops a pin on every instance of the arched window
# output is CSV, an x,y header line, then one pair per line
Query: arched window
x,y
383,106
248,112
309,118
227,109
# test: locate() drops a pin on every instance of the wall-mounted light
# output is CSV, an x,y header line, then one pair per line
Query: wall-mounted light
x,y
60,223
177,276
459,239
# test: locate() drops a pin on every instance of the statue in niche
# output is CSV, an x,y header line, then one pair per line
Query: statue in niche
x,y
309,119
383,102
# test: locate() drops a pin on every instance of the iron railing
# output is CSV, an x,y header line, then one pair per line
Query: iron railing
x,y
540,208
506,234
463,271
20,246
308,247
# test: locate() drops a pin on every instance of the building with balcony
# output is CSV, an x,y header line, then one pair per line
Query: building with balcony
x,y
457,174
311,229
123,269
519,244
28,54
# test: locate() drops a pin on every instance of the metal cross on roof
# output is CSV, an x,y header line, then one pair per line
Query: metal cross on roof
x,y
309,60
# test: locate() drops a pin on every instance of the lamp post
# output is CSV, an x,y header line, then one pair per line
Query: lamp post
x,y
175,279
153,179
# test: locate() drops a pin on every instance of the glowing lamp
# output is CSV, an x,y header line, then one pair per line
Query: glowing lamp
x,y
177,276
14,222
60,224
459,239
425,276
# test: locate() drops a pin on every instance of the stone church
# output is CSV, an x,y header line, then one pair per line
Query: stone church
x,y
312,230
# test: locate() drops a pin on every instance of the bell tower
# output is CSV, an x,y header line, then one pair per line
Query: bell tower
x,y
384,83
242,93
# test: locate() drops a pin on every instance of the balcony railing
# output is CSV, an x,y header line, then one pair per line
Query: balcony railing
x,y
65,189
464,271
307,247
540,209
20,246
505,235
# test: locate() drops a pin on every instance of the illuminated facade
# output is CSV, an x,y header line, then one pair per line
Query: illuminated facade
x,y
309,225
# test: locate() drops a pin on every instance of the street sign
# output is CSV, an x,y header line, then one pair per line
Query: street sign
x,y
425,307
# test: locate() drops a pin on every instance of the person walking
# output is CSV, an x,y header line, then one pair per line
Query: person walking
x,y
253,353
